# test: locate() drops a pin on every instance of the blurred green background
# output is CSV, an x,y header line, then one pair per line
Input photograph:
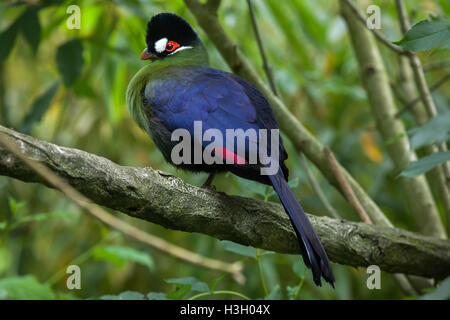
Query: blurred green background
x,y
68,87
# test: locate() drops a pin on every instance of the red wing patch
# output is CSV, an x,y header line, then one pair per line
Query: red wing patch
x,y
230,156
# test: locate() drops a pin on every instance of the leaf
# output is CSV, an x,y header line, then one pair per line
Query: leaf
x,y
156,296
245,251
24,288
126,295
425,164
7,39
196,285
14,206
291,292
299,268
179,293
38,109
436,130
212,284
274,293
83,88
426,35
69,60
119,255
441,293
31,28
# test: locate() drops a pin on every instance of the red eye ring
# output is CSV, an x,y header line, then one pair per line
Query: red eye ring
x,y
171,46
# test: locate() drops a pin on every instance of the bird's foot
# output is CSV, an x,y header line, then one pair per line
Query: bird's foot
x,y
207,184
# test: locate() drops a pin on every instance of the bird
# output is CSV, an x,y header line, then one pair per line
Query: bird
x,y
178,88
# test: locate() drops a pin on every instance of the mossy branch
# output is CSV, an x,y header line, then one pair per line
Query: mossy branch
x,y
161,198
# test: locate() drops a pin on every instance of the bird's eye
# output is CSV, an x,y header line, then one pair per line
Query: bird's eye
x,y
171,46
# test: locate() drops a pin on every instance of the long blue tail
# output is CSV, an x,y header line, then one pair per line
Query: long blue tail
x,y
313,253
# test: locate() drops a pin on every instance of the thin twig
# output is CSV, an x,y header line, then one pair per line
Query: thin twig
x,y
127,229
317,189
266,66
346,188
409,105
377,34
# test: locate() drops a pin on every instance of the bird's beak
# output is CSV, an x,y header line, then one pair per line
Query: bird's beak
x,y
147,55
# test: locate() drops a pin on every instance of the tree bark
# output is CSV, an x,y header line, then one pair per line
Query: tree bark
x,y
161,198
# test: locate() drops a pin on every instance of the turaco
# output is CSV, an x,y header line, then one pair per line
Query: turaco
x,y
178,88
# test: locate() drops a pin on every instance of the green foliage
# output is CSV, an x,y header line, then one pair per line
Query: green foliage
x,y
126,295
119,255
237,248
41,232
274,294
38,109
24,288
31,28
156,296
28,24
7,39
436,130
427,35
300,269
69,59
193,283
425,164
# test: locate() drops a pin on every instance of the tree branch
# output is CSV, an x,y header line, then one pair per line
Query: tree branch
x,y
411,104
374,77
302,139
375,32
160,198
55,181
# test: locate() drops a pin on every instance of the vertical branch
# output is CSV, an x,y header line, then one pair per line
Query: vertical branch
x,y
376,83
421,82
440,175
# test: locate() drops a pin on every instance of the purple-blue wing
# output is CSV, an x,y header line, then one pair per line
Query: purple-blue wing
x,y
220,100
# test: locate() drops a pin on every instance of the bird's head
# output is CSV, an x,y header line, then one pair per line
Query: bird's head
x,y
168,35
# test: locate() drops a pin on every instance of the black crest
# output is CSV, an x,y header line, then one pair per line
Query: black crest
x,y
170,26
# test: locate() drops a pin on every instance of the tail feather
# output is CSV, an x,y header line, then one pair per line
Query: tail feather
x,y
313,253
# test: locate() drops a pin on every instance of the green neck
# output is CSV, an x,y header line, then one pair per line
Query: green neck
x,y
188,57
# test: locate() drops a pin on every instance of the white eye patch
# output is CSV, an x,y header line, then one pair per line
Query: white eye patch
x,y
160,45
